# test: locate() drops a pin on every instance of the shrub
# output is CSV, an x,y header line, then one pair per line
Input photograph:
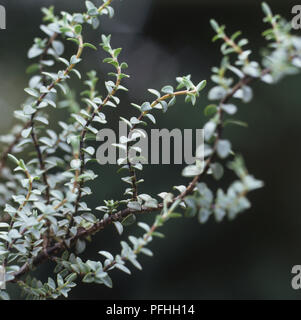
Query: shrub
x,y
44,216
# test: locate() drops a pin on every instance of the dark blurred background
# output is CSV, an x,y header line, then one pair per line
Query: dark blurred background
x,y
249,258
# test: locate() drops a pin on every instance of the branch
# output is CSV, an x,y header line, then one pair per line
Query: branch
x,y
38,102
104,6
44,54
119,216
9,149
142,115
83,137
244,81
27,124
82,233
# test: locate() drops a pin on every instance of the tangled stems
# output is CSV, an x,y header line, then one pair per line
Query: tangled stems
x,y
122,214
142,115
39,101
18,136
30,123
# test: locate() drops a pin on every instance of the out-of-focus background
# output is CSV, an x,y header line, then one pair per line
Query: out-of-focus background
x,y
249,258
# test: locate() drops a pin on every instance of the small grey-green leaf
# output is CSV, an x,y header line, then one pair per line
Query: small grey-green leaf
x,y
223,148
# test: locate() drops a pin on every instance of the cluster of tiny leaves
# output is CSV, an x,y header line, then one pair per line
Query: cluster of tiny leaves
x,y
43,212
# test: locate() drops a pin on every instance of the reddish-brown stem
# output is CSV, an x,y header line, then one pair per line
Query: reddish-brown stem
x,y
41,160
83,137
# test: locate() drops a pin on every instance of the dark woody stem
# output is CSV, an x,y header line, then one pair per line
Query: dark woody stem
x,y
83,134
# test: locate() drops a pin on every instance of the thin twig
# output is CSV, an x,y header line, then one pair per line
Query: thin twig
x,y
44,54
83,137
